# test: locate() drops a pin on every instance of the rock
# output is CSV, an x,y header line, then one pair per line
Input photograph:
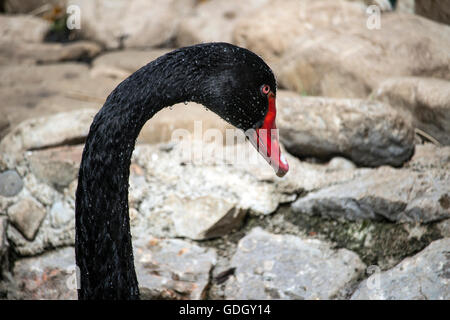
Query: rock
x,y
51,276
23,28
395,194
32,53
425,101
10,183
213,21
433,9
367,132
424,276
339,163
140,23
32,91
120,64
203,217
291,19
444,228
50,235
61,214
172,268
57,167
351,61
39,133
27,216
272,266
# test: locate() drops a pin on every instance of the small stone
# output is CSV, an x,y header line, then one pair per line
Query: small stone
x,y
61,214
27,216
10,183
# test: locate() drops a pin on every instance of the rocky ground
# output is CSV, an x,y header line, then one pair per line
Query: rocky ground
x,y
364,117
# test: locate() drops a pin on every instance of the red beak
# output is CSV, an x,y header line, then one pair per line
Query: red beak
x,y
265,140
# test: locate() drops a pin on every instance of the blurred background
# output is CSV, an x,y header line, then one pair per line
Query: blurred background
x,y
363,106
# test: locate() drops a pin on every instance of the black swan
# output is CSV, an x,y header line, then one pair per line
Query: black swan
x,y
231,81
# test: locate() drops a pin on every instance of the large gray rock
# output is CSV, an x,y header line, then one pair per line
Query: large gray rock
x,y
215,20
367,132
425,276
51,276
385,193
272,266
42,132
27,216
211,193
172,268
350,61
424,101
57,167
138,23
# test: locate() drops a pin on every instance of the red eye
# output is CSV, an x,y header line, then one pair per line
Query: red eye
x,y
265,89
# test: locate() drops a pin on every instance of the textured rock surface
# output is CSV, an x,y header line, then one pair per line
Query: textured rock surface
x,y
351,61
10,183
203,217
50,276
172,268
369,133
139,23
272,266
394,194
41,132
57,227
27,216
57,167
425,276
425,101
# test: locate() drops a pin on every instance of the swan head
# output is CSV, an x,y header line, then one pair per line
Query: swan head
x,y
241,88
